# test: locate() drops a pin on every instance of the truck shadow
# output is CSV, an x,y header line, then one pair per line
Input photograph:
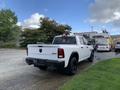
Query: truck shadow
x,y
83,65
52,79
117,52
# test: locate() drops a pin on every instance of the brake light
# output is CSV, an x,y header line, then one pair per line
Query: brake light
x,y
60,53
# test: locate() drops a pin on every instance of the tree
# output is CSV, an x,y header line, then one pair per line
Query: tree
x,y
9,31
48,29
105,31
29,36
52,28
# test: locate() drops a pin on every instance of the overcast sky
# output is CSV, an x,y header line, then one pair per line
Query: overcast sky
x,y
79,14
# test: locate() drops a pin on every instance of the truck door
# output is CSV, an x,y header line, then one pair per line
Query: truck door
x,y
82,49
87,48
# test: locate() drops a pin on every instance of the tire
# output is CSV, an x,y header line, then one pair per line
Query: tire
x,y
72,66
91,58
110,50
116,50
42,67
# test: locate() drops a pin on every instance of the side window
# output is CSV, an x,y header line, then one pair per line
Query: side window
x,y
81,40
84,41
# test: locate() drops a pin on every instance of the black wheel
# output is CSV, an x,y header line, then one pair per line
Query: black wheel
x,y
110,50
91,58
116,50
42,67
72,66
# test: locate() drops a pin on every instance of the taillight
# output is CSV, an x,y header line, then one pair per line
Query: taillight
x,y
61,53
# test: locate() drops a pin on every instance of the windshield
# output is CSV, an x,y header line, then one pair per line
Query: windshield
x,y
64,40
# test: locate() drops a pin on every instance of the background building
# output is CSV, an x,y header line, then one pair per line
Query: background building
x,y
98,37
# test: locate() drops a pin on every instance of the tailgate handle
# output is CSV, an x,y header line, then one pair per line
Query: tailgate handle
x,y
40,50
40,46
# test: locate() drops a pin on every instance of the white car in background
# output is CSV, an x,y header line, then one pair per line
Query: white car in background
x,y
117,46
103,47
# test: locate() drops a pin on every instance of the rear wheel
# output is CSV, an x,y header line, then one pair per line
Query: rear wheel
x,y
91,58
42,67
72,66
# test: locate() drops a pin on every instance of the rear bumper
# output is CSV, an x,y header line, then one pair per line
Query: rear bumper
x,y
106,49
44,62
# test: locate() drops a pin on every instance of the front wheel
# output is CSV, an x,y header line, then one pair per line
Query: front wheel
x,y
72,66
91,58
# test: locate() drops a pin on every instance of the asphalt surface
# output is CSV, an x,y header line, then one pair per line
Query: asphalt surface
x,y
15,74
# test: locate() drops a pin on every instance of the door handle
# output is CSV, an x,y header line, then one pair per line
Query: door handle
x,y
81,47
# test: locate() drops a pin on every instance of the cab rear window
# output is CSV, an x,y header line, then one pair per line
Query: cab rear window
x,y
64,40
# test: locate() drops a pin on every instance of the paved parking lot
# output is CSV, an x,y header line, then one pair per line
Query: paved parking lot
x,y
15,74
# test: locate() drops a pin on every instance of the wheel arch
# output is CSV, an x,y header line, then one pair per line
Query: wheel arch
x,y
74,54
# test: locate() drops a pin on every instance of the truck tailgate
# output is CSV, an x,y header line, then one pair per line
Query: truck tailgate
x,y
43,51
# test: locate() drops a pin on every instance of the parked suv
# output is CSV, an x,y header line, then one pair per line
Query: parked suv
x,y
103,47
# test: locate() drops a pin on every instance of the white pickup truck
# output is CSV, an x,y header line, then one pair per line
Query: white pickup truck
x,y
64,53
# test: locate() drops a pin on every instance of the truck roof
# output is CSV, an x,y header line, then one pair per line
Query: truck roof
x,y
72,35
